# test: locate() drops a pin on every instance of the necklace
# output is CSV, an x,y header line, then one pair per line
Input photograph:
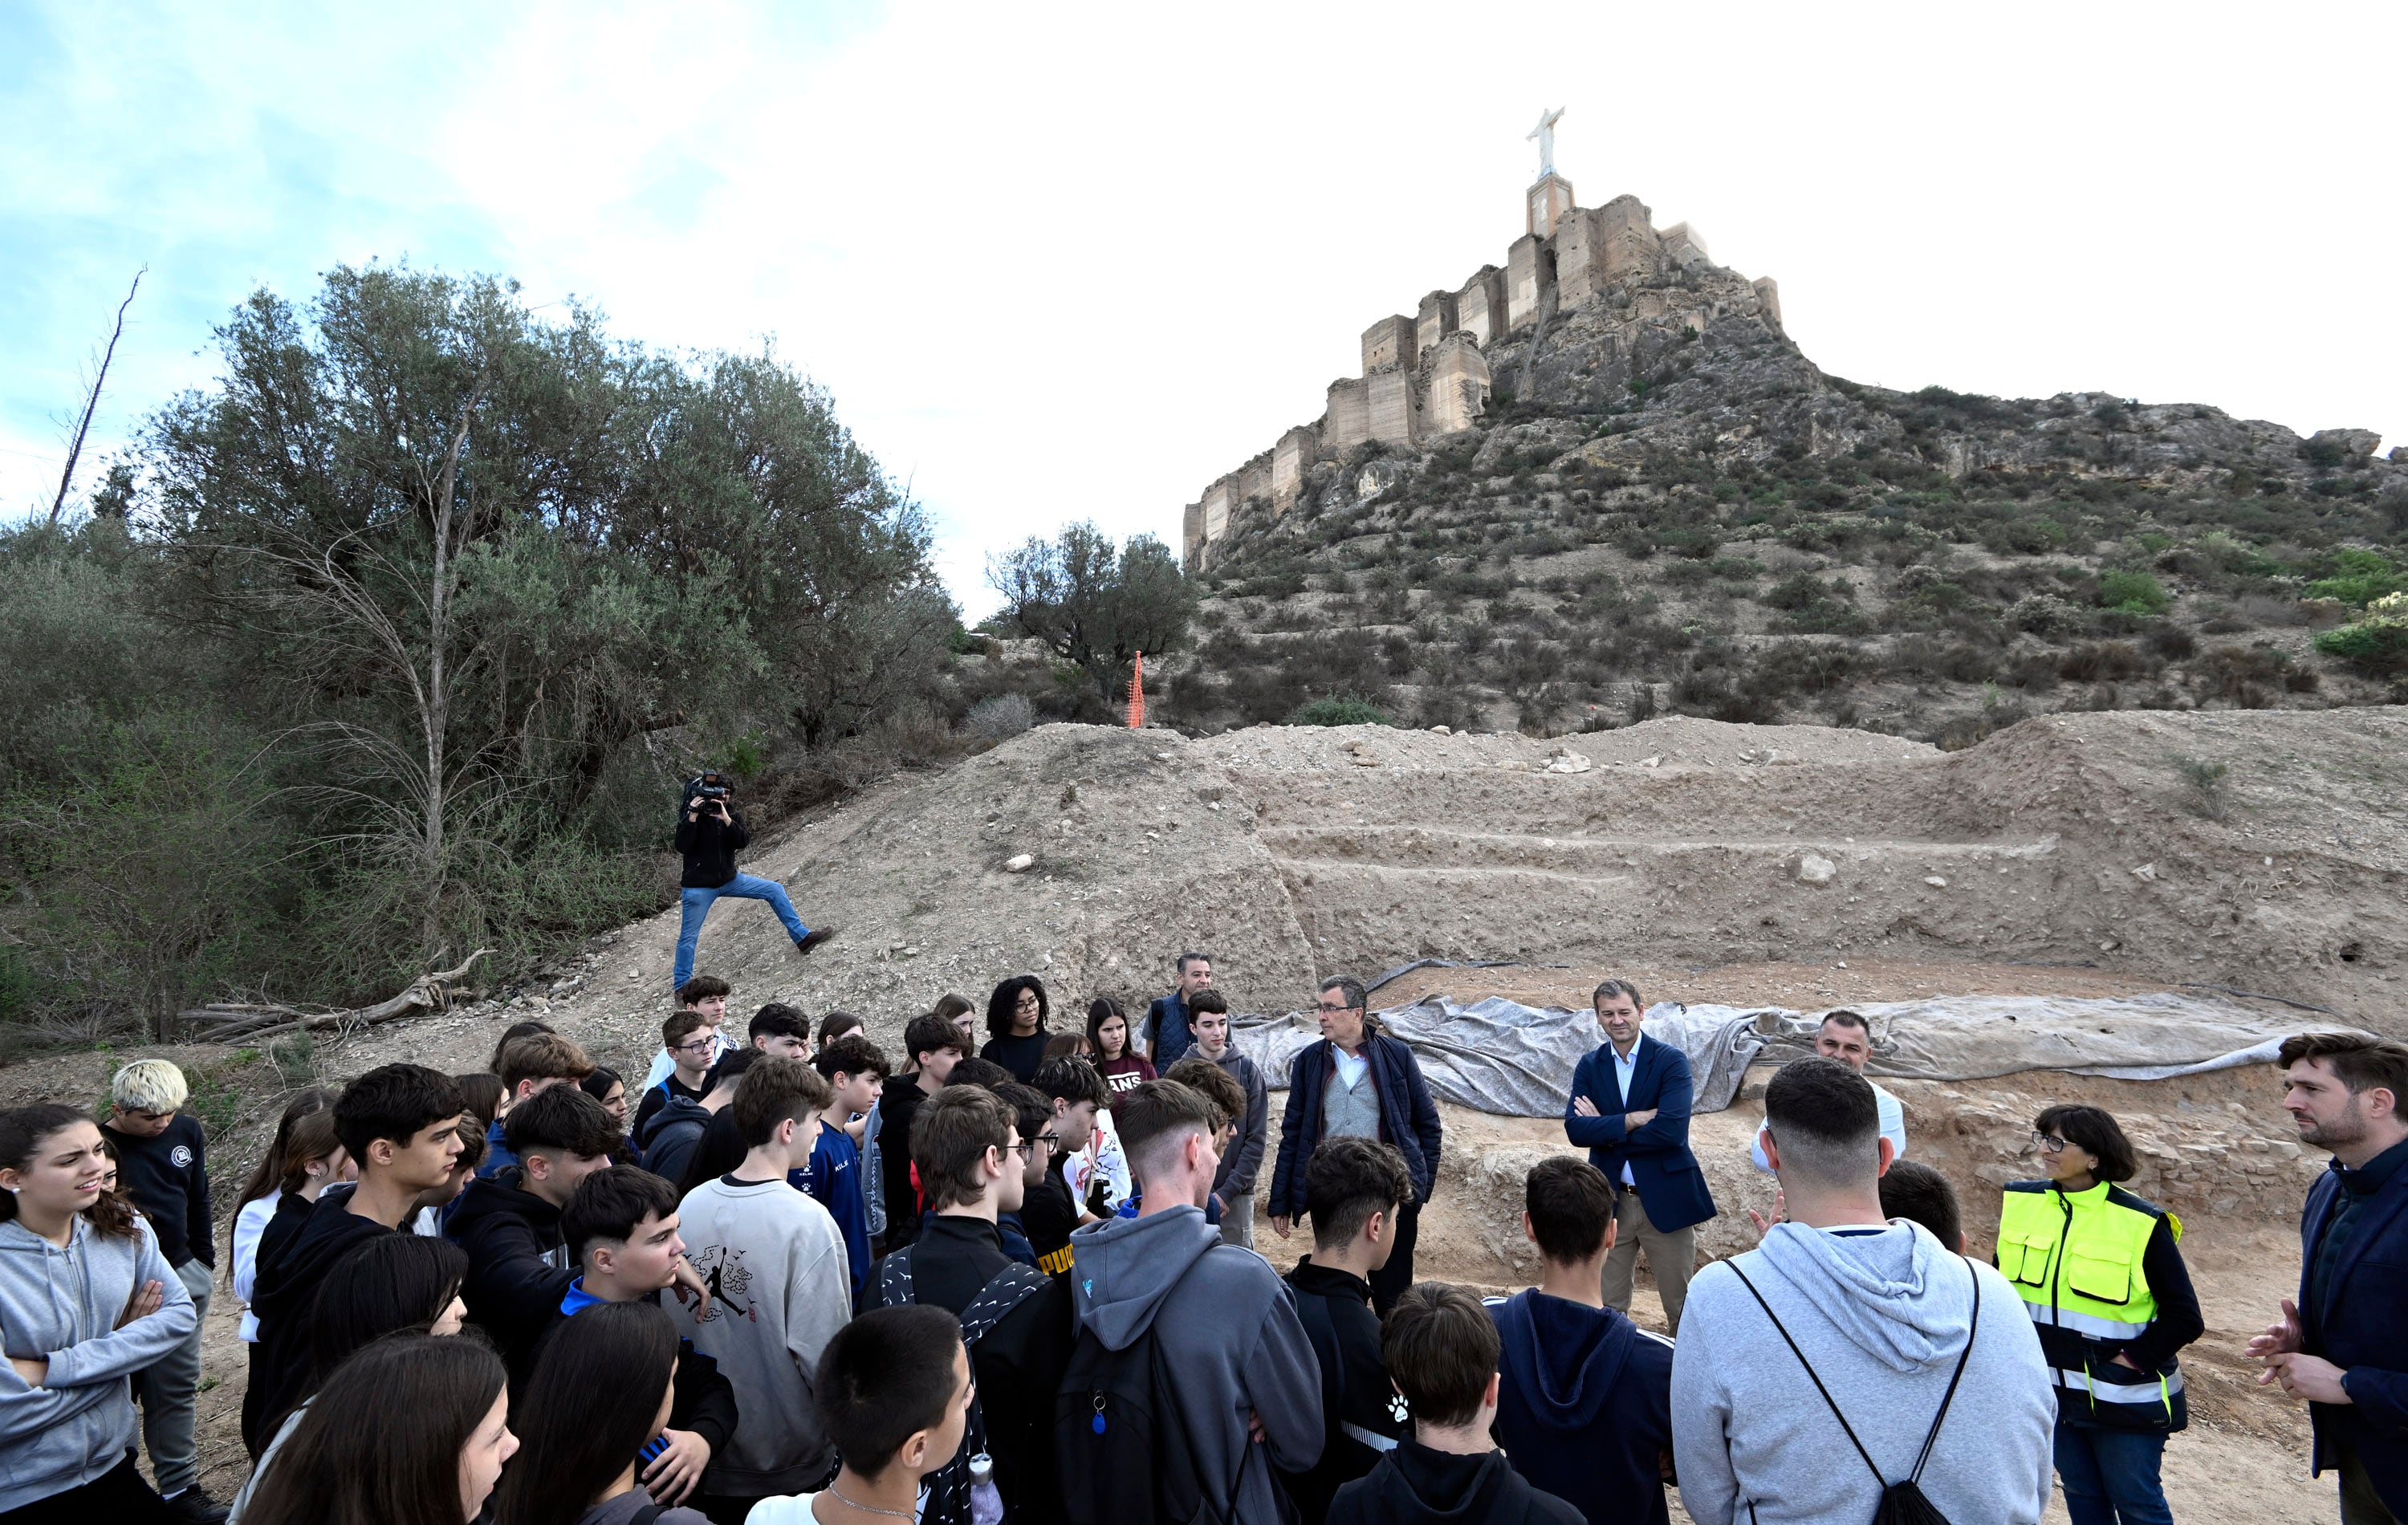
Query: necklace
x,y
869,1508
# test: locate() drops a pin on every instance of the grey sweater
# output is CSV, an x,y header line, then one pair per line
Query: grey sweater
x,y
62,1305
1883,1318
1228,1331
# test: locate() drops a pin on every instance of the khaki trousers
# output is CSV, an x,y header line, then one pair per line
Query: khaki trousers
x,y
1672,1256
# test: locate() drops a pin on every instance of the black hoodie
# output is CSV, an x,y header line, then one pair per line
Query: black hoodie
x,y
1584,1406
1414,1485
1360,1420
292,1263
518,1264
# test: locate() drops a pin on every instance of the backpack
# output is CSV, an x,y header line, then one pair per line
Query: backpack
x,y
1901,1503
948,1499
1120,1445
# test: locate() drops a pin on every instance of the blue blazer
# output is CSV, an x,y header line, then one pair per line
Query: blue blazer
x,y
2360,1324
1670,1186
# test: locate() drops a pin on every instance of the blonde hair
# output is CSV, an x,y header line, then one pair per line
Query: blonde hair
x,y
148,1085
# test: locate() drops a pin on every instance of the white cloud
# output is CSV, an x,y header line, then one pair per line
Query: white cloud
x,y
1076,261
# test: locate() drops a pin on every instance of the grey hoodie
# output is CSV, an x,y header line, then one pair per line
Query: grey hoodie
x,y
62,1305
1229,1333
1883,1318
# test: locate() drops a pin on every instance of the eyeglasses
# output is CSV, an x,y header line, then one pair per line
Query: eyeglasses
x,y
1024,1150
1340,1007
1051,1141
701,1046
2048,1143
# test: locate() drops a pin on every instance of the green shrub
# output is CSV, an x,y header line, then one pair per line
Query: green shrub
x,y
2377,644
2360,578
1339,711
2132,593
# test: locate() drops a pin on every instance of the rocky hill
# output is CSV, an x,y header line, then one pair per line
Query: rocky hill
x,y
1661,504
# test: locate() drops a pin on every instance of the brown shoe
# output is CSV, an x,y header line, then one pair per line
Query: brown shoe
x,y
813,937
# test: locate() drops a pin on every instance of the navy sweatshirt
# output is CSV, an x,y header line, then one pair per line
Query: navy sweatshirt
x,y
168,1178
1584,1406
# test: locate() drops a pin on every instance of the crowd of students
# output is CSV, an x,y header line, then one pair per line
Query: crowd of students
x,y
797,1281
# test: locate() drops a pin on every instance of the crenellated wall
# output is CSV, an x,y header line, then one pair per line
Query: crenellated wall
x,y
1428,375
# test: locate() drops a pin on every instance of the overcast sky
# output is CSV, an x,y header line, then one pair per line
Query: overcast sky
x,y
1057,262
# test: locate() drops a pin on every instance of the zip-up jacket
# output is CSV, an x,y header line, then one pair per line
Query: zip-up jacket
x,y
1408,1118
710,848
517,1265
2099,1273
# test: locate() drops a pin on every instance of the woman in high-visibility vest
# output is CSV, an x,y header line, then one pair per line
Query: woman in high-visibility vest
x,y
2101,1274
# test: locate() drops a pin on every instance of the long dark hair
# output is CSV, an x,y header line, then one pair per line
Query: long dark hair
x,y
1000,1006
394,1284
1101,1011
23,1130
268,1174
587,1410
381,1444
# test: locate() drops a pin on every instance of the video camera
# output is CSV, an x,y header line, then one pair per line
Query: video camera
x,y
709,787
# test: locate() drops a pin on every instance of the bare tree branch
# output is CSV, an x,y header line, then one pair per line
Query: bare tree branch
x,y
91,399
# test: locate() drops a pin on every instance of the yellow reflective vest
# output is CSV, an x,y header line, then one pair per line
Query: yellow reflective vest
x,y
2075,1259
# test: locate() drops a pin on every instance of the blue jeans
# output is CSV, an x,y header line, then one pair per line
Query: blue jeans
x,y
694,904
2110,1476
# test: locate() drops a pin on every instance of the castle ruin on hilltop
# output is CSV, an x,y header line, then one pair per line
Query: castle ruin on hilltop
x,y
1429,375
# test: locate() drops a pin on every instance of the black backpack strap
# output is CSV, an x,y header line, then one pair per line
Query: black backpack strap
x,y
895,1278
1014,1285
1971,1336
1844,1426
645,1516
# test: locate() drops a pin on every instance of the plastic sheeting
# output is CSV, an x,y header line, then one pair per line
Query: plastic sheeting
x,y
1500,1055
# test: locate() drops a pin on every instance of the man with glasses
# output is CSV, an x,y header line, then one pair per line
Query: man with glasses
x,y
973,1165
1358,1082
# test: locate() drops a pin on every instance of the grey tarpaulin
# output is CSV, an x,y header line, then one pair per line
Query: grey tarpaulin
x,y
1500,1055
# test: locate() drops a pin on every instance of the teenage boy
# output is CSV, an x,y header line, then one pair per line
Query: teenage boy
x,y
1441,1351
162,1163
1015,1320
1051,1211
935,1045
1244,1364
509,1223
691,1040
1208,1020
1629,1109
1166,1032
622,1231
536,1062
1914,1349
1032,1114
1584,1406
1351,1191
678,1130
779,1029
895,1395
779,1290
400,1124
856,1072
707,994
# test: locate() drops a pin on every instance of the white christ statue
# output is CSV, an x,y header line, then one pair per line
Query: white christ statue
x,y
1545,133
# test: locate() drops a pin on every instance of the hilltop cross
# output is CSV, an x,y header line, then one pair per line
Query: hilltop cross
x,y
1545,133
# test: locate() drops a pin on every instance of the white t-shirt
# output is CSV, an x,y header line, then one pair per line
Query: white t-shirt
x,y
248,1225
1893,1128
795,1508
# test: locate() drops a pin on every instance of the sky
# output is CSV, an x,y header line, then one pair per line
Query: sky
x,y
1066,262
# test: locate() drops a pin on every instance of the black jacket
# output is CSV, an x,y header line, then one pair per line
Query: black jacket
x,y
1408,1118
1019,1365
700,1399
1414,1485
1356,1401
301,1244
168,1178
669,1136
518,1264
896,1106
710,848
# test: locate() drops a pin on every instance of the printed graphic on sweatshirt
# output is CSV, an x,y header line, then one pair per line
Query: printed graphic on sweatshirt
x,y
723,1272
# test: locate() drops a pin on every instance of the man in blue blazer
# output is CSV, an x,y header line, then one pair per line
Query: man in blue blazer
x,y
1630,1109
2343,1344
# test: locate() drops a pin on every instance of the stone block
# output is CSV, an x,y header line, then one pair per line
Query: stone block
x,y
1388,344
1628,247
1297,451
1684,245
1255,479
1580,273
1221,500
1348,422
1435,320
1767,299
1458,385
1191,535
1529,269
1549,202
1480,306
1396,412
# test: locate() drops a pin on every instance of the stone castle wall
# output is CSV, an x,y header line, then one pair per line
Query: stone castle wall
x,y
1428,375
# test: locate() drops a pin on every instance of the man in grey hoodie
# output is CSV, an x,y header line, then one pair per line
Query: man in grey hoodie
x,y
1885,1316
1228,1330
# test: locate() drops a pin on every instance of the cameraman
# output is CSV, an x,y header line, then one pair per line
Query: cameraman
x,y
708,839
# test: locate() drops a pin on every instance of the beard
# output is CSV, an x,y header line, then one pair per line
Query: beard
x,y
2341,1131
